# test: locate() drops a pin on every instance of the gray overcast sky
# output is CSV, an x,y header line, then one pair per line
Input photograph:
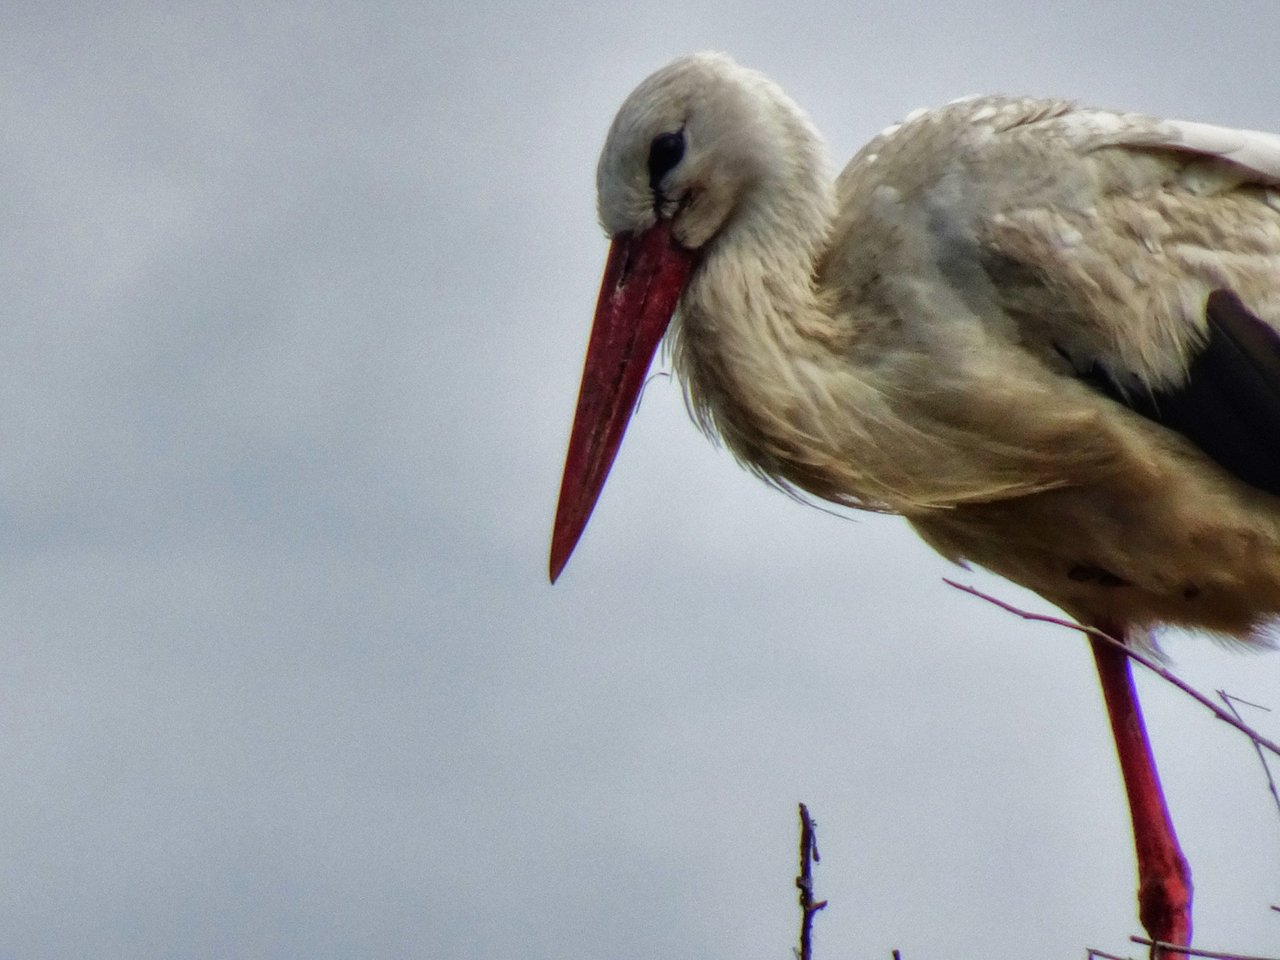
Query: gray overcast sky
x,y
295,298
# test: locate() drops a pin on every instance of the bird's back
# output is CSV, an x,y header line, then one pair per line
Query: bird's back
x,y
999,259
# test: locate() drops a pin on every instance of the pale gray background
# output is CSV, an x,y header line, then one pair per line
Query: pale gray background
x,y
294,304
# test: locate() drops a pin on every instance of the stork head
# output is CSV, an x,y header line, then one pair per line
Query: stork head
x,y
685,154
687,147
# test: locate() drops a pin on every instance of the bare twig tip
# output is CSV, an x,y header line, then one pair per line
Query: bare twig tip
x,y
1258,739
808,907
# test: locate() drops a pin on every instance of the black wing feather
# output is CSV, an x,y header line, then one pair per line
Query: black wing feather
x,y
1229,405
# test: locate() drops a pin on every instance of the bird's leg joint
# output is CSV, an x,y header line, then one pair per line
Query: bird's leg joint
x,y
1164,904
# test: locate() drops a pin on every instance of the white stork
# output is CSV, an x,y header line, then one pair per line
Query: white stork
x,y
1030,328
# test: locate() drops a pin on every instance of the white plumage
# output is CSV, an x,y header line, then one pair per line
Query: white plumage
x,y
999,321
910,339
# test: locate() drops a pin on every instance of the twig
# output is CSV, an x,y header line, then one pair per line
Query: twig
x,y
808,856
1193,952
1247,703
1231,702
1258,739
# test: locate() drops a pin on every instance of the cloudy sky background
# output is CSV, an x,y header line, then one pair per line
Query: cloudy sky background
x,y
294,304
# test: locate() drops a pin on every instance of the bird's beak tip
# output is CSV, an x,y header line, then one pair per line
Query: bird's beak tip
x,y
643,279
564,540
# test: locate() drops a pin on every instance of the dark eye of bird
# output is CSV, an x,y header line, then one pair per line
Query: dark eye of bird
x,y
664,153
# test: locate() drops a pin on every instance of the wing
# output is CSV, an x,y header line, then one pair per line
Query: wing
x,y
1229,403
987,251
1150,273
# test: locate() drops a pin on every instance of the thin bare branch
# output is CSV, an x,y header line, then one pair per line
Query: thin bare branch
x,y
808,907
1231,702
1193,952
1248,703
1152,665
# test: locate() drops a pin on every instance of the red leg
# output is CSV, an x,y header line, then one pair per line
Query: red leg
x,y
1164,880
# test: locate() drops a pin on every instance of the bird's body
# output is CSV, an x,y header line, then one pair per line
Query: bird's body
x,y
1044,334
913,339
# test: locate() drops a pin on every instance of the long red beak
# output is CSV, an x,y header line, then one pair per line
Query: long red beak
x,y
642,283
